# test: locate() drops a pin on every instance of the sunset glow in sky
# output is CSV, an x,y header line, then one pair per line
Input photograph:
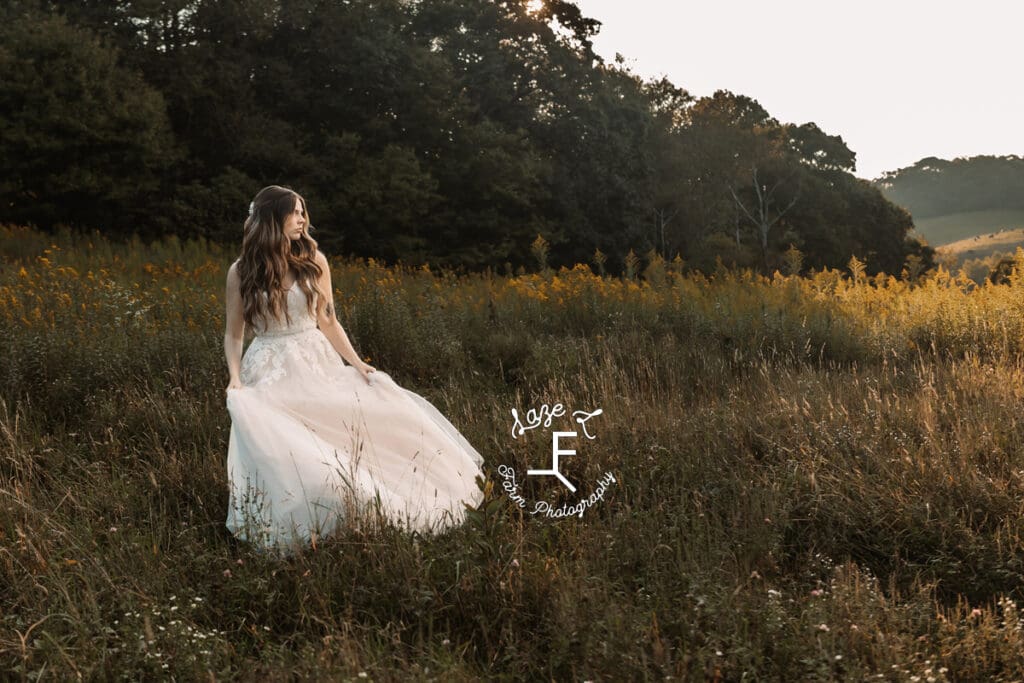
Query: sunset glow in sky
x,y
898,81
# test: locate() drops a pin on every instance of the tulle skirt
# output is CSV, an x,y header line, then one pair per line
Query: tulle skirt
x,y
313,446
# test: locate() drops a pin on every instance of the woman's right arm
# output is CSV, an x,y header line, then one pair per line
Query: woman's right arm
x,y
234,331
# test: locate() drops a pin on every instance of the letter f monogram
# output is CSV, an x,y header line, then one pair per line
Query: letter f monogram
x,y
555,452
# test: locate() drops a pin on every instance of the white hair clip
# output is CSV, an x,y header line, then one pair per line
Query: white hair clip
x,y
252,207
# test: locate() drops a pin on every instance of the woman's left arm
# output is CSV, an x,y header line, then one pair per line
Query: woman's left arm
x,y
327,320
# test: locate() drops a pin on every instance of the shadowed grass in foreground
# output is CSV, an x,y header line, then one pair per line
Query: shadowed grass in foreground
x,y
816,479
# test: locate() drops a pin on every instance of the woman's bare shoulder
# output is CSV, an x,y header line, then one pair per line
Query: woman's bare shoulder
x,y
321,259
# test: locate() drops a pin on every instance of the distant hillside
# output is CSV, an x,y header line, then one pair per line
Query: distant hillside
x,y
979,246
935,187
979,255
944,230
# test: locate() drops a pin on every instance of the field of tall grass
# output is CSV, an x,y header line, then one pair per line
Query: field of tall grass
x,y
817,478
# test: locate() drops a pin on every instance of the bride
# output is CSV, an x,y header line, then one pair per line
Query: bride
x,y
316,442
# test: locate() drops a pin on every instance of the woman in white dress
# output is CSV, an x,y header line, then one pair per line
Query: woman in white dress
x,y
316,442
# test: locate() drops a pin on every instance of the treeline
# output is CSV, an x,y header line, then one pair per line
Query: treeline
x,y
449,131
938,187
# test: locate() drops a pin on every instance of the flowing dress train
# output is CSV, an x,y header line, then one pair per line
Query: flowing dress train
x,y
312,444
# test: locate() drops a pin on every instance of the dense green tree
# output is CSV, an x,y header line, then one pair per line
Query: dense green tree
x,y
84,140
449,131
938,187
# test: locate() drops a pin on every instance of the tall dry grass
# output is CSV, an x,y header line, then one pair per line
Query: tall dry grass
x,y
817,478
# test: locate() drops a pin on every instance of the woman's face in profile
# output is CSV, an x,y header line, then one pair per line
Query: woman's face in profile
x,y
295,223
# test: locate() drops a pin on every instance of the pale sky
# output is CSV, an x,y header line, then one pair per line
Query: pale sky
x,y
898,80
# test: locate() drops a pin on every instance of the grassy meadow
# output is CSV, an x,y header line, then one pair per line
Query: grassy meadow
x,y
959,227
817,478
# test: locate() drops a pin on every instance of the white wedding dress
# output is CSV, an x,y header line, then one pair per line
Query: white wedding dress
x,y
313,444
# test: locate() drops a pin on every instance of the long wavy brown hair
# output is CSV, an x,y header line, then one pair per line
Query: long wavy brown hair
x,y
268,254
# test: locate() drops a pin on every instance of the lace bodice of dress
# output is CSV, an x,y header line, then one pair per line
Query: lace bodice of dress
x,y
301,320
